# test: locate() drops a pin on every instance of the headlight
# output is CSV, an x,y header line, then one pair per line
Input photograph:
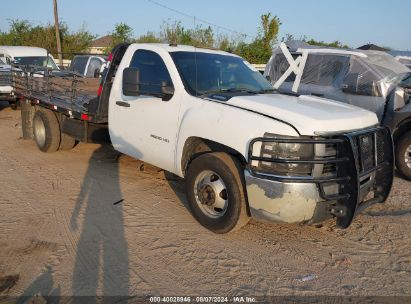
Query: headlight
x,y
286,151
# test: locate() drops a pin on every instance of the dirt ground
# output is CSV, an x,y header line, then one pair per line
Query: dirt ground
x,y
89,221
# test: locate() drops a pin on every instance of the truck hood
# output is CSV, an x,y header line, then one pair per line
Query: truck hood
x,y
310,115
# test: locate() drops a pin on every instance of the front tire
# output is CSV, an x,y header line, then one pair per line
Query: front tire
x,y
403,155
14,105
215,192
46,130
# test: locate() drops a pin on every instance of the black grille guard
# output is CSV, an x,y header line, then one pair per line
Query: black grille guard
x,y
348,173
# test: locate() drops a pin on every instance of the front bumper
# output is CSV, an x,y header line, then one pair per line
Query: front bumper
x,y
288,199
274,201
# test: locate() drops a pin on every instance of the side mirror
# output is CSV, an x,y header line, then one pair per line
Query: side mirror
x,y
268,77
131,82
167,91
350,85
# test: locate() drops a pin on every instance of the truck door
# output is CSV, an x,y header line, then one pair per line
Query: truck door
x,y
145,126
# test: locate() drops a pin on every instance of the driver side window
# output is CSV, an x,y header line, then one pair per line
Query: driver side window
x,y
153,71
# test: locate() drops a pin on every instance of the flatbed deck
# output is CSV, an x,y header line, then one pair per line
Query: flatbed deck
x,y
66,93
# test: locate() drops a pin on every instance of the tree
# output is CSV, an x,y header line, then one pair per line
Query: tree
x,y
122,33
18,33
260,49
149,37
22,32
269,30
174,32
228,44
334,44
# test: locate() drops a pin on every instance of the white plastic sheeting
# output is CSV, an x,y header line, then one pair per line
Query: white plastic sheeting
x,y
372,73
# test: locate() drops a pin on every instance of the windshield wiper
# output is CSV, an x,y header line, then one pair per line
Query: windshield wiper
x,y
230,90
265,91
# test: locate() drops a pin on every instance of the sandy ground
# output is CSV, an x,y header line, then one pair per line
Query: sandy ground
x,y
62,234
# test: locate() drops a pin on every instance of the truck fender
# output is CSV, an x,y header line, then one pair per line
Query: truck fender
x,y
228,127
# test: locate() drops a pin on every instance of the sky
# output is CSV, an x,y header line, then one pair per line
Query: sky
x,y
352,22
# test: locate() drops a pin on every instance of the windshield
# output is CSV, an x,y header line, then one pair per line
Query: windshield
x,y
205,73
41,61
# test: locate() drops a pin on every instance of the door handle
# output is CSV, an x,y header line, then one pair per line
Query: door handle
x,y
123,104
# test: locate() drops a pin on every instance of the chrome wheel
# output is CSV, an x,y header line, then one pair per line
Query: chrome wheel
x,y
408,156
39,130
211,194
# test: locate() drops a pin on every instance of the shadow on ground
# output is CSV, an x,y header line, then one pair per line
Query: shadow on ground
x,y
101,265
41,289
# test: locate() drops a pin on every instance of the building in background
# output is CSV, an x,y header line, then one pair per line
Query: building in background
x,y
100,45
372,47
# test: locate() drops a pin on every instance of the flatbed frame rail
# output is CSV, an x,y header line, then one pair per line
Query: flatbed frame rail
x,y
64,92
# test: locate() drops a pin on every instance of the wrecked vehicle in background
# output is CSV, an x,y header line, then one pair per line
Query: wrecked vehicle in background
x,y
6,83
373,80
402,56
28,56
15,57
88,65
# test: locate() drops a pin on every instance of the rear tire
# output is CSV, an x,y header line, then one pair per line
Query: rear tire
x,y
403,155
215,192
46,130
67,142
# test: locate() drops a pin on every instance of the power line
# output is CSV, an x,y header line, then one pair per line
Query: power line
x,y
200,20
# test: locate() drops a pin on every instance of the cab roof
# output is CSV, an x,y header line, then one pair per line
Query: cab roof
x,y
23,51
183,48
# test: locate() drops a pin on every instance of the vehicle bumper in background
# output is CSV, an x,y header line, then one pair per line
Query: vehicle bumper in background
x,y
292,199
7,93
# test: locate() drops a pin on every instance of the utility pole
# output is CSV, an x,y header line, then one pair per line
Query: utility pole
x,y
56,26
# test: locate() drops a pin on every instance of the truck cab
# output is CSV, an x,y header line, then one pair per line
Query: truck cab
x,y
175,106
28,56
244,149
